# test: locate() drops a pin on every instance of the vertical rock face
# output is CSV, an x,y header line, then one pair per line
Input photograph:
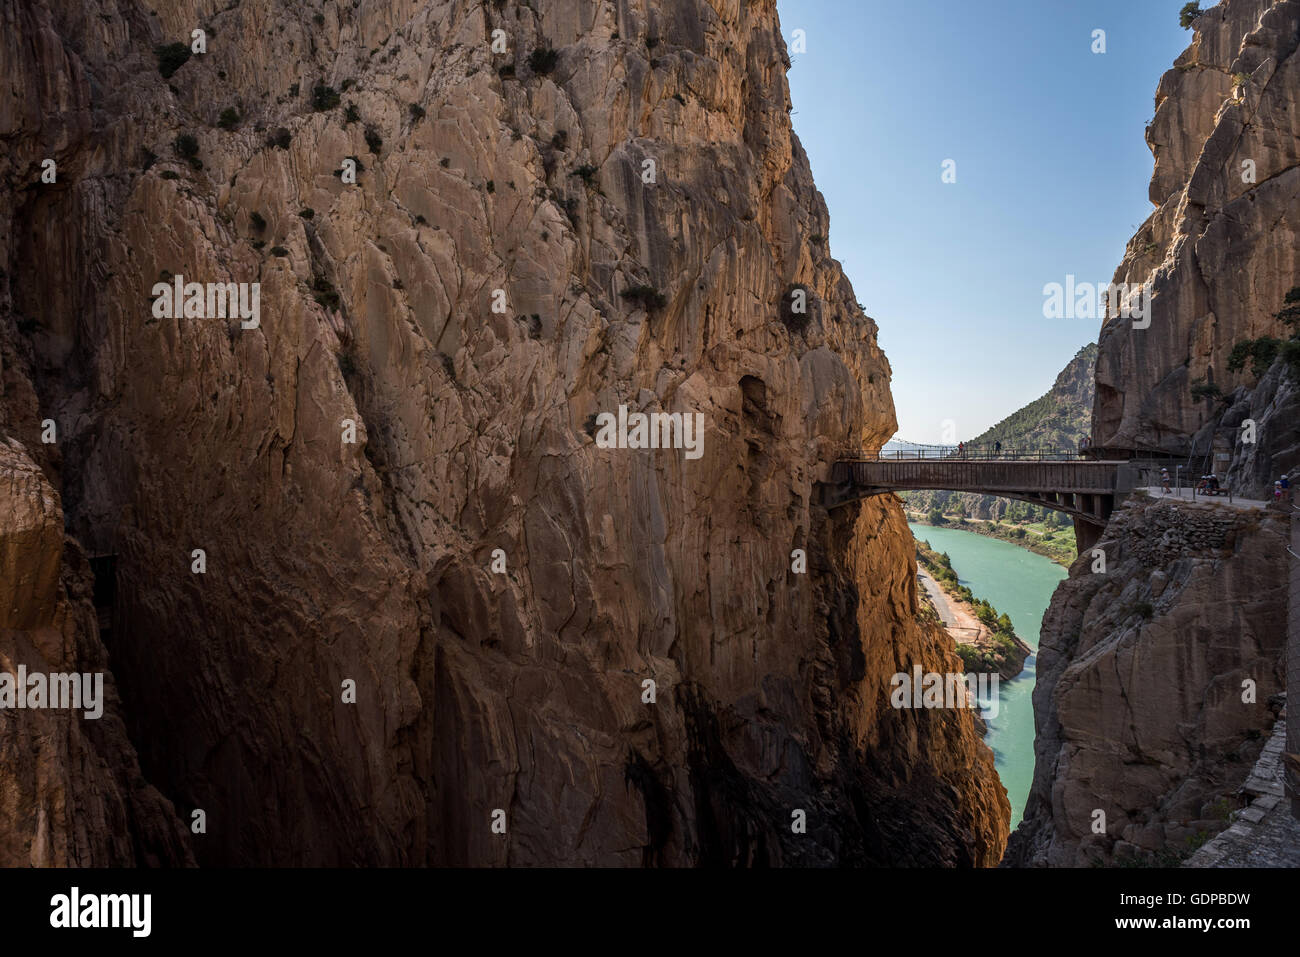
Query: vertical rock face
x,y
1155,673
637,207
71,792
1142,707
1223,247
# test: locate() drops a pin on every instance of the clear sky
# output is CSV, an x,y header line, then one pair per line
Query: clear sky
x,y
1051,177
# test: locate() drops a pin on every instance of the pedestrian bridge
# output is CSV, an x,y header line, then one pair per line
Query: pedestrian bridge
x,y
1085,486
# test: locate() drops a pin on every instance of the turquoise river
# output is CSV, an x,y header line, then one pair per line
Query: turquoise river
x,y
1019,583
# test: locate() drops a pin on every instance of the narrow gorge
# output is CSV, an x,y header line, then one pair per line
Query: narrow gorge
x,y
1161,670
476,227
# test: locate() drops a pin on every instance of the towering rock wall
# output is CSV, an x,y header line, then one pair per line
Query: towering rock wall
x,y
1142,704
1222,249
327,562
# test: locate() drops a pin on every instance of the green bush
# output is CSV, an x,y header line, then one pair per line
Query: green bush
x,y
795,320
186,146
647,296
374,140
256,220
543,60
280,138
279,251
1239,354
171,58
1205,390
587,172
323,292
324,98
416,111
351,114
1187,16
229,118
1290,313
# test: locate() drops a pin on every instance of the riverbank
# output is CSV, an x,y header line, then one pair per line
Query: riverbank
x,y
1020,583
985,639
1057,545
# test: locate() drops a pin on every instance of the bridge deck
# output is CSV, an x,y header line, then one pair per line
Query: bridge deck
x,y
978,475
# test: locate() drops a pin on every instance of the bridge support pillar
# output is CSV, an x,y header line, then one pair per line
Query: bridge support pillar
x,y
1086,534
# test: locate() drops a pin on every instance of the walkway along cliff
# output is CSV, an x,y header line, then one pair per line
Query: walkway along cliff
x,y
363,581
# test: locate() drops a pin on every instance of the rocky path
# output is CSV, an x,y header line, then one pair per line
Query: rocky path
x,y
1264,833
1185,495
963,626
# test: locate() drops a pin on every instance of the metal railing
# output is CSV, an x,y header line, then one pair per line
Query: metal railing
x,y
941,453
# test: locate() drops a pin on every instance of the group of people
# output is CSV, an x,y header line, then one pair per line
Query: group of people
x,y
961,449
1209,485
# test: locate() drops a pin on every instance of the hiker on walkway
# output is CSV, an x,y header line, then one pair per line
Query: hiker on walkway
x,y
997,448
961,450
1285,483
1164,480
1277,491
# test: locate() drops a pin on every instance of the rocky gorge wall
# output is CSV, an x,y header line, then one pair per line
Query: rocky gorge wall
x,y
1221,250
327,561
1140,705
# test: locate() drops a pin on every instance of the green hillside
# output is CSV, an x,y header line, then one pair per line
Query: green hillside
x,y
1053,421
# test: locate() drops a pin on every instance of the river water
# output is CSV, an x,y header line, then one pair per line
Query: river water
x,y
1020,583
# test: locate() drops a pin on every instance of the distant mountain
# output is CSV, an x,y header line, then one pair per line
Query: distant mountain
x,y
1054,420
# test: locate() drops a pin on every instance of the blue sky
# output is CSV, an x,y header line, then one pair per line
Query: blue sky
x,y
1051,177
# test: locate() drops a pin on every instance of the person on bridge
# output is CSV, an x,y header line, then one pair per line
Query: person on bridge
x,y
961,450
997,448
1164,480
1277,491
1285,483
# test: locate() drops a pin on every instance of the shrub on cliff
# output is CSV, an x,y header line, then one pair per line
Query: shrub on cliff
x,y
1290,313
542,60
186,146
171,58
229,118
647,296
796,302
324,98
1187,16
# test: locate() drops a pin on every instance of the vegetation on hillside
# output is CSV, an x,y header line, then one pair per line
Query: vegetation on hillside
x,y
1004,648
1262,352
1054,420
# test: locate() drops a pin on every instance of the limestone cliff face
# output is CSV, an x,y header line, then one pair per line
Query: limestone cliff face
x,y
328,561
71,792
1222,248
1140,703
